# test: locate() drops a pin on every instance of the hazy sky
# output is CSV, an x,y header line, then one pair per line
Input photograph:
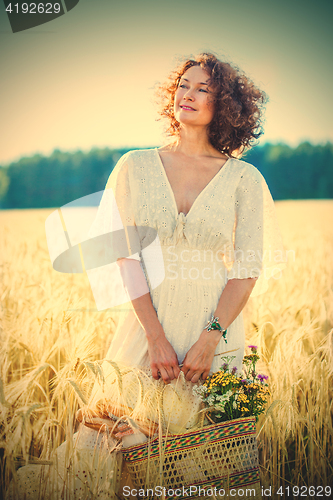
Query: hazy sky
x,y
86,78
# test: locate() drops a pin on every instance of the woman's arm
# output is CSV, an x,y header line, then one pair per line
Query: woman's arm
x,y
199,359
163,359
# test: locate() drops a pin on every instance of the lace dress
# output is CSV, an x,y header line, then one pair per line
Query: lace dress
x,y
230,232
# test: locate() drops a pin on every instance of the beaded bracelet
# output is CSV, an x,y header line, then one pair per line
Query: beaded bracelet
x,y
213,324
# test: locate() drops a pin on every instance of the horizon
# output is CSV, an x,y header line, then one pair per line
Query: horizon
x,y
132,148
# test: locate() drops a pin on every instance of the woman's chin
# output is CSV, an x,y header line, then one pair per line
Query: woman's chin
x,y
188,121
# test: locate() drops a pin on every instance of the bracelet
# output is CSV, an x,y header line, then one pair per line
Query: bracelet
x,y
213,324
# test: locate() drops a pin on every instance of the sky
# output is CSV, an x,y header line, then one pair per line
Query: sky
x,y
86,79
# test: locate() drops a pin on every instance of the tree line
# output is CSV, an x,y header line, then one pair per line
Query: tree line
x,y
303,172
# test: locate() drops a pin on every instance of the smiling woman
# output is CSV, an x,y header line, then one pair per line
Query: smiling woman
x,y
215,220
193,103
236,101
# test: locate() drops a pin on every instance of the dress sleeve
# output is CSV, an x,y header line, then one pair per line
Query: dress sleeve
x,y
257,244
115,236
115,216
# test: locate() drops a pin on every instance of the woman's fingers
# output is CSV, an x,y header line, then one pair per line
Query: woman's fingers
x,y
186,369
189,371
155,373
165,375
198,360
196,377
163,360
176,370
193,372
169,372
164,371
193,375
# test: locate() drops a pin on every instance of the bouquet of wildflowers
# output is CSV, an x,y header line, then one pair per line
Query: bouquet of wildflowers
x,y
228,394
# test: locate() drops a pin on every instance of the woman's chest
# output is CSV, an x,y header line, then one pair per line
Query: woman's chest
x,y
187,182
209,204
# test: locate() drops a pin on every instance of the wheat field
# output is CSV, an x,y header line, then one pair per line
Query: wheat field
x,y
51,336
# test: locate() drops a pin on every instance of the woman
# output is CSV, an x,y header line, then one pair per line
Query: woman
x,y
214,222
210,212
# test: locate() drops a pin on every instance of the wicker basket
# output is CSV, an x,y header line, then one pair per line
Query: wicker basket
x,y
222,456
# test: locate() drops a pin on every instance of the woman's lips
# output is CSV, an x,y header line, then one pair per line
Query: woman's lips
x,y
187,108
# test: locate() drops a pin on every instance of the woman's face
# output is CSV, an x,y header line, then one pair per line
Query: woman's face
x,y
193,98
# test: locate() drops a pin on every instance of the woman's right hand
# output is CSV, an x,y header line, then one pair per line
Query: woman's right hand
x,y
163,359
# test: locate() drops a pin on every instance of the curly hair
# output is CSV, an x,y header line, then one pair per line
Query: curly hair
x,y
238,104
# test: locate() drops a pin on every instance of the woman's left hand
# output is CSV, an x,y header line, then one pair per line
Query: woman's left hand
x,y
199,358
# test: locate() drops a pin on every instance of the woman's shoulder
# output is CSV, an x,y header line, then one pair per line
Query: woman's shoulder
x,y
246,170
130,165
132,160
138,154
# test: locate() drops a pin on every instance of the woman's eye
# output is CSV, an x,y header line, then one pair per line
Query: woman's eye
x,y
182,85
203,90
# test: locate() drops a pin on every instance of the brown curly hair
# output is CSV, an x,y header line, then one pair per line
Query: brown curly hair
x,y
238,104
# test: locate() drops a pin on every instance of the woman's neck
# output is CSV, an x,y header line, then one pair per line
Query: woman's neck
x,y
194,142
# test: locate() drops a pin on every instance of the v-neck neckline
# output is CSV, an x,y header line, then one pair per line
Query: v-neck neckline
x,y
171,190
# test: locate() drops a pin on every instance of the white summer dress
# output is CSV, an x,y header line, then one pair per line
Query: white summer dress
x,y
230,232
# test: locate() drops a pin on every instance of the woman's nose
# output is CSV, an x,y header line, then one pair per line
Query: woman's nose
x,y
188,96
